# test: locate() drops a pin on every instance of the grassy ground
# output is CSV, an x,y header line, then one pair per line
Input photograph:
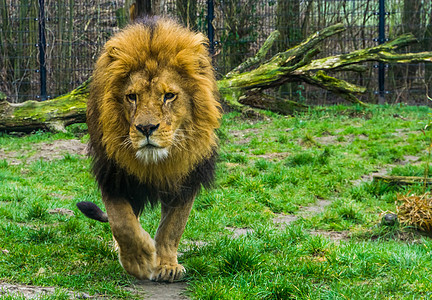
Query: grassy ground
x,y
269,166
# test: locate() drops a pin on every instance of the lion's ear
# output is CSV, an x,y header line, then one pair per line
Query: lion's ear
x,y
107,57
112,52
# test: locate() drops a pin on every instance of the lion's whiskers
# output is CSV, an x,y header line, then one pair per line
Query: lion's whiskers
x,y
179,138
180,133
126,144
179,145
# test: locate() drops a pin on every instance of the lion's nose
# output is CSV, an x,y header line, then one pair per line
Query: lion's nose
x,y
147,130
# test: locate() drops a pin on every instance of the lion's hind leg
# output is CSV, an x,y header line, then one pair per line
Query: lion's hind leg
x,y
172,225
137,251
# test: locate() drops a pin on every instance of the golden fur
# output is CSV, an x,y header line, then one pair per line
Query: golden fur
x,y
170,57
152,114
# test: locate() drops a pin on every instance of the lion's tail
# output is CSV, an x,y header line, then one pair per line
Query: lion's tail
x,y
92,211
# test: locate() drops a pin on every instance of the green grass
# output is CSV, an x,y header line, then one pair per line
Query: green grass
x,y
273,165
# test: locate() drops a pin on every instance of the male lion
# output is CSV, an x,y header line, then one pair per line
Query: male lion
x,y
152,115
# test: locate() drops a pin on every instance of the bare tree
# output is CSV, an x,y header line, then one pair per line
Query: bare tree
x,y
187,12
405,75
427,44
288,24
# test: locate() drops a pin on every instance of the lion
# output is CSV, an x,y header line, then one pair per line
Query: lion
x,y
152,113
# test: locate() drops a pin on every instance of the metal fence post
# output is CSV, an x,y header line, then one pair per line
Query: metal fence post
x,y
381,40
42,50
210,28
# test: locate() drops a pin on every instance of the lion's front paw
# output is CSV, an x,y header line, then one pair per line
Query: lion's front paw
x,y
140,265
168,273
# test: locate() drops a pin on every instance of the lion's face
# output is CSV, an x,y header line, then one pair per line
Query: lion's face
x,y
156,108
153,106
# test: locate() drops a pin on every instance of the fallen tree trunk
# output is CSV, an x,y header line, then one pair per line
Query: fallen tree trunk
x,y
297,64
54,114
402,180
240,89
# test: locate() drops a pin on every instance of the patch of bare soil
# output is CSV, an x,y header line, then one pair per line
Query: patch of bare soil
x,y
333,139
239,135
238,232
45,151
335,236
61,211
317,208
145,288
275,155
283,220
159,291
407,159
31,292
327,140
404,133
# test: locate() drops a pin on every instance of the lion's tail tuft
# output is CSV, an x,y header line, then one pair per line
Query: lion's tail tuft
x,y
92,211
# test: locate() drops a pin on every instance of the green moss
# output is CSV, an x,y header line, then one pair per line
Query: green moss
x,y
51,113
2,96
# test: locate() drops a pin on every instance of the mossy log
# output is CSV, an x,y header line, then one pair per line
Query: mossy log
x,y
297,64
241,88
52,114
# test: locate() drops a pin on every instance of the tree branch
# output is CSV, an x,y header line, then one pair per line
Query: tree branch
x,y
259,57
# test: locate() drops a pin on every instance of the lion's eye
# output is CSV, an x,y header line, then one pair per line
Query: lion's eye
x,y
169,96
131,97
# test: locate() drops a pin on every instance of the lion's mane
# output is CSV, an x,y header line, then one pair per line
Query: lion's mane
x,y
152,45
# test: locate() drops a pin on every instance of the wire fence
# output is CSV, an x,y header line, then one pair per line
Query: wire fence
x,y
76,30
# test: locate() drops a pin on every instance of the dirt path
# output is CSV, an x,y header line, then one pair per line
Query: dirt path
x,y
146,289
160,291
45,151
32,292
283,220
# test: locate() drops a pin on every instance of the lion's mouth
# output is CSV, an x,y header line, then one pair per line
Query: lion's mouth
x,y
151,153
148,143
151,146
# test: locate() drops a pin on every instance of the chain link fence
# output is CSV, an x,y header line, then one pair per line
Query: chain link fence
x,y
76,30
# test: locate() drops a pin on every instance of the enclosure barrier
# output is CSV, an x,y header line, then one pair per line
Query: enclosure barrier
x,y
68,36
